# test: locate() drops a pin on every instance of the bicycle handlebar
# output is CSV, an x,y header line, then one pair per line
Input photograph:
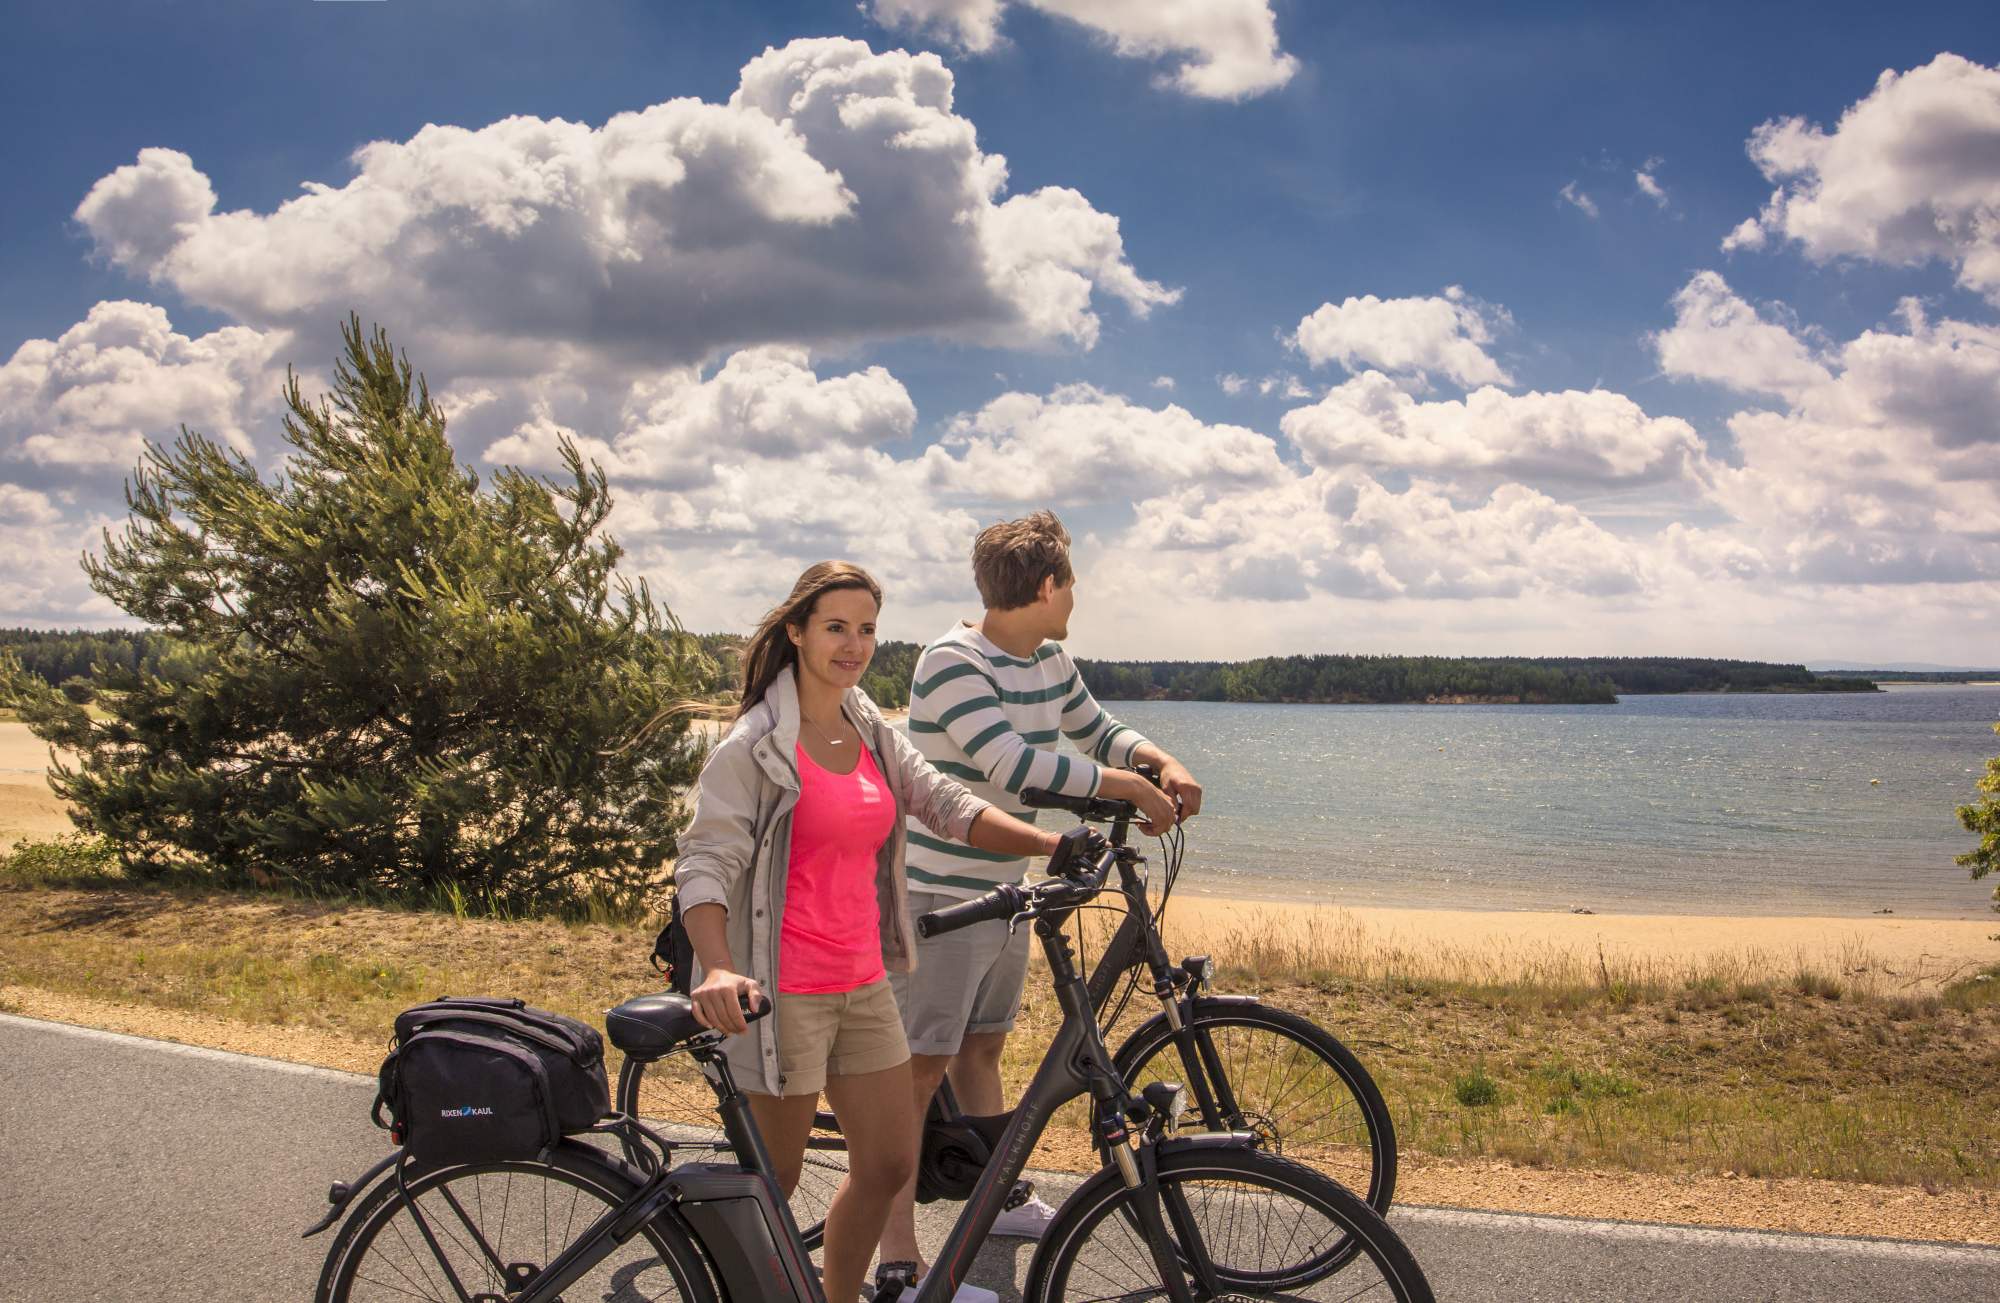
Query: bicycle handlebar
x,y
1073,883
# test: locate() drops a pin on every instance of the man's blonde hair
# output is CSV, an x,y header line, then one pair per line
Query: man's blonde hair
x,y
1010,559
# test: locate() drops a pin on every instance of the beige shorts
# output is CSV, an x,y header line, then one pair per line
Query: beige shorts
x,y
839,1033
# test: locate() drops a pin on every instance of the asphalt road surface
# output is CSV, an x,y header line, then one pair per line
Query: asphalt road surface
x,y
134,1170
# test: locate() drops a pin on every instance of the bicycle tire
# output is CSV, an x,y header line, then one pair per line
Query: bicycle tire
x,y
1094,1249
381,1253
672,1097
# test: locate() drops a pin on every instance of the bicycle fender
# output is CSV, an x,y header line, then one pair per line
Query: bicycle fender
x,y
1157,1024
1171,1145
1225,1001
343,1193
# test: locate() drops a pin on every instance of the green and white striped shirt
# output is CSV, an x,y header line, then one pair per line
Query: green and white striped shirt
x,y
992,721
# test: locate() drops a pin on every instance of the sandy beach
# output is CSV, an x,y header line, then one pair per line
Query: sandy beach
x,y
1889,954
1892,953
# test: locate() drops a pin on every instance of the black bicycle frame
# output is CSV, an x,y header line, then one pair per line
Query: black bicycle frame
x,y
1077,1063
1138,940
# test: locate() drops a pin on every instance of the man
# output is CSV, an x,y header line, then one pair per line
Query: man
x,y
989,703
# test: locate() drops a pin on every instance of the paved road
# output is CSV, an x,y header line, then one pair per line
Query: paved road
x,y
134,1169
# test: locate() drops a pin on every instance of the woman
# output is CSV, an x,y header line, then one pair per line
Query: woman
x,y
790,878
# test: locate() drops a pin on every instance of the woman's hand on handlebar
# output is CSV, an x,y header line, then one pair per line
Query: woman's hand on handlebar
x,y
719,1000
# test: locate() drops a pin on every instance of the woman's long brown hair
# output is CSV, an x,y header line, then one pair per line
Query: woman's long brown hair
x,y
770,652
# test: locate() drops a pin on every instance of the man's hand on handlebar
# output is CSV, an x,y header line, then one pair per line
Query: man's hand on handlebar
x,y
1178,783
1156,807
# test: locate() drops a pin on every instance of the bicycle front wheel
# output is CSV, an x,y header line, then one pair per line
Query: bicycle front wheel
x,y
1284,1077
1237,1220
485,1229
672,1097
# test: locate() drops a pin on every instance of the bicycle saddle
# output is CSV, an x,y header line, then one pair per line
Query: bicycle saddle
x,y
650,1025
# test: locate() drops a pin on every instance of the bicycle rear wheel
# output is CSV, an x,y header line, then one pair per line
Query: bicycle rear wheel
x,y
493,1225
1238,1216
672,1097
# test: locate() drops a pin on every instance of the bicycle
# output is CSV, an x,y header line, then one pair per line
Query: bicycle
x,y
1184,1218
1247,1065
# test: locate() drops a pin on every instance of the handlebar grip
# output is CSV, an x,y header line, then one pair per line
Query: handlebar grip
x,y
1004,902
1101,808
763,1010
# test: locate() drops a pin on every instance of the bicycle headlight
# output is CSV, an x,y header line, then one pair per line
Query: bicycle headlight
x,y
1200,967
1168,1101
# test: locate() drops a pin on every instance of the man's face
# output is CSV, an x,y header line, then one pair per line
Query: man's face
x,y
1062,601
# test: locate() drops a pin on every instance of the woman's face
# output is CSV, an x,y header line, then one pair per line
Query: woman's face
x,y
838,639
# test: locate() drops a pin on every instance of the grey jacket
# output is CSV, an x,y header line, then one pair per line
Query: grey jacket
x,y
736,850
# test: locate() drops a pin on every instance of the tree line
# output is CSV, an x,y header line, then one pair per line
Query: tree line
x,y
1387,679
66,657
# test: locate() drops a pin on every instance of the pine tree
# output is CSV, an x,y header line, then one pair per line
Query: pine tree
x,y
393,682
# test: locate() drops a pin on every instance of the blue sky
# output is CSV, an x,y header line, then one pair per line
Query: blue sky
x,y
1402,150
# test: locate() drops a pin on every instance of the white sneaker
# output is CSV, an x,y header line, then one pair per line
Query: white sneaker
x,y
966,1293
1026,1221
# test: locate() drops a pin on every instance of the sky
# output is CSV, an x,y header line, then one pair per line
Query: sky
x,y
1412,328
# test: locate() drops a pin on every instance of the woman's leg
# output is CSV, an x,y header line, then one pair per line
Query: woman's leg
x,y
875,1116
785,1121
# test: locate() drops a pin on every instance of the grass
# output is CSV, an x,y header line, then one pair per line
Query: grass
x,y
1722,1068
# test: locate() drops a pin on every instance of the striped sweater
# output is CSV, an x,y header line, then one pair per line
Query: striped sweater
x,y
993,722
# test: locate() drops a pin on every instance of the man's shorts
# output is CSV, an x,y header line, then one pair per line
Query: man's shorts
x,y
836,1033
966,981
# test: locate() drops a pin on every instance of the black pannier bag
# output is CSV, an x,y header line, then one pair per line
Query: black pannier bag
x,y
474,1079
673,953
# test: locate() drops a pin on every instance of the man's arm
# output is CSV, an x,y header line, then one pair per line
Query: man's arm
x,y
1119,746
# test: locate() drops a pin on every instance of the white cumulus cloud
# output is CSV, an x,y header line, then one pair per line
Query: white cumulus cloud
x,y
1718,337
1571,437
1342,532
1880,463
1080,445
835,197
677,427
93,396
1909,174
1223,49
1443,335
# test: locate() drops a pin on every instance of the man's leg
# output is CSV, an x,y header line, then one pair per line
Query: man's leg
x,y
975,1074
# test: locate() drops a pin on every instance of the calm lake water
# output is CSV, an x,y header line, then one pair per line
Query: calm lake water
x,y
1677,804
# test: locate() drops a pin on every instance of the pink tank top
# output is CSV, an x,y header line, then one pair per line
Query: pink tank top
x,y
831,936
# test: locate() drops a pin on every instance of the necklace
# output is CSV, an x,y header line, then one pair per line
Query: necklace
x,y
830,741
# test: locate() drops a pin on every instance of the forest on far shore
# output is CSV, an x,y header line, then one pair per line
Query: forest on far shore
x,y
66,656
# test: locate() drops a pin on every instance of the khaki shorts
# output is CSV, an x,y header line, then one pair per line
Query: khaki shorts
x,y
966,981
837,1033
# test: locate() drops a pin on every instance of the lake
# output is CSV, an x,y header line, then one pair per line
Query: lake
x,y
1813,804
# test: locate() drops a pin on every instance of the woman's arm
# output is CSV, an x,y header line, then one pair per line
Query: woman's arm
x,y
716,999
995,830
715,849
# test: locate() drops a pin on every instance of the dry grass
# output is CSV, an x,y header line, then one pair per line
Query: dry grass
x,y
1741,1067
